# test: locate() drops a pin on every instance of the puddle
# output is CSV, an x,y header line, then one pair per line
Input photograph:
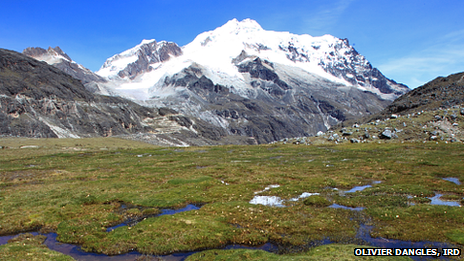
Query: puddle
x,y
361,188
303,195
274,201
168,211
271,201
267,188
344,207
454,180
437,201
358,188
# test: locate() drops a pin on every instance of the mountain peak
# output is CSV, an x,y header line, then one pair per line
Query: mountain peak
x,y
145,41
58,52
235,26
51,55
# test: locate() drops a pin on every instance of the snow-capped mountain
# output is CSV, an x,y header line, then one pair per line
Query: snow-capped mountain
x,y
59,59
253,82
325,56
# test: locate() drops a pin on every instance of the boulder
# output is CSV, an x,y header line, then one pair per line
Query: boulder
x,y
386,134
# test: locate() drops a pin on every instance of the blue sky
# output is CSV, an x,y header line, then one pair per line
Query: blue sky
x,y
410,41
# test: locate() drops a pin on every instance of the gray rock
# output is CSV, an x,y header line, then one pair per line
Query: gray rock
x,y
353,140
462,111
386,134
437,117
366,135
453,116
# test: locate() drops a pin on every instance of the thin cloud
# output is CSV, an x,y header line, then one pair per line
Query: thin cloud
x,y
326,16
443,57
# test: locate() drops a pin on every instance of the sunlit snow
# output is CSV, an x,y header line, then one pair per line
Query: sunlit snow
x,y
214,51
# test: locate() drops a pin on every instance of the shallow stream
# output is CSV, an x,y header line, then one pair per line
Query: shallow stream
x,y
363,234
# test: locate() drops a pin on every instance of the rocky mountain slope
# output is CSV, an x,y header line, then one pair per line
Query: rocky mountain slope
x,y
56,57
433,112
41,101
254,83
442,92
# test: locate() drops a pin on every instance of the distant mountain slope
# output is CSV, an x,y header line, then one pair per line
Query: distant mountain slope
x,y
39,100
442,92
431,112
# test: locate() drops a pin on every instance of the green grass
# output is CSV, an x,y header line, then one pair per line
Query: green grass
x,y
76,187
316,201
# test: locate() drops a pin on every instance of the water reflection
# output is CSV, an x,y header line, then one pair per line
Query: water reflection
x,y
167,211
437,201
344,207
454,180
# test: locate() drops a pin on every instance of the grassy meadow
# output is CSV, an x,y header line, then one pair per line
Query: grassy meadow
x,y
80,187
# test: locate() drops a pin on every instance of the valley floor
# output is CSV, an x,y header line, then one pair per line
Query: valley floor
x,y
291,196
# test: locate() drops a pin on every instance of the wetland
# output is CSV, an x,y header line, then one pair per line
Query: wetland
x,y
115,198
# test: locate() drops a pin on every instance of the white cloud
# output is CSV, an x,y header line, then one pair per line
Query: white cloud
x,y
443,56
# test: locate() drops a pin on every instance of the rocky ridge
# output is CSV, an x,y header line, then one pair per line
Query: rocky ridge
x,y
40,101
56,57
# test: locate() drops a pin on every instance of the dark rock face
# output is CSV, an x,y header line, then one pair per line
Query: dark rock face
x,y
264,70
37,80
148,54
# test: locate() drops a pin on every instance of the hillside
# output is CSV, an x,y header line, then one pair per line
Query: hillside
x,y
432,112
40,101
